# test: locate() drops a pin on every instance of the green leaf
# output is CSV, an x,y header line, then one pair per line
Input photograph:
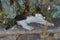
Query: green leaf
x,y
48,15
5,21
1,14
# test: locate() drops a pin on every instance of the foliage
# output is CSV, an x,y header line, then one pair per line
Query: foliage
x,y
48,16
4,17
11,2
32,10
5,21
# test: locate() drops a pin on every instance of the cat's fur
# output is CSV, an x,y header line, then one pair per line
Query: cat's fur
x,y
23,20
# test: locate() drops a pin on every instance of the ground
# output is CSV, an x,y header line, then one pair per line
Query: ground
x,y
31,37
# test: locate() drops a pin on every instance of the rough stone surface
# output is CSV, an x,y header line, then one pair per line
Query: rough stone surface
x,y
29,37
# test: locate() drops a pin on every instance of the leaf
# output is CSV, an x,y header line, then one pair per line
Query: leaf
x,y
1,14
32,10
5,21
48,16
18,10
11,2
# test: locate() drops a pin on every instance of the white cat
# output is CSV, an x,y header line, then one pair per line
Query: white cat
x,y
38,18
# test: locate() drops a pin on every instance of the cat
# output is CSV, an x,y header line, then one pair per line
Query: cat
x,y
23,20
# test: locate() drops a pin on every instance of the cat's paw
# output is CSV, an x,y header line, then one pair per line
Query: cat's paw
x,y
29,28
51,24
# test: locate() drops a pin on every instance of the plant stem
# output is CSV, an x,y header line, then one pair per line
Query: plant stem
x,y
45,30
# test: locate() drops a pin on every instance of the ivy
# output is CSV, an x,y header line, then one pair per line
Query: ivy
x,y
48,16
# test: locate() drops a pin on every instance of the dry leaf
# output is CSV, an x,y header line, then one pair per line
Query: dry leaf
x,y
11,2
